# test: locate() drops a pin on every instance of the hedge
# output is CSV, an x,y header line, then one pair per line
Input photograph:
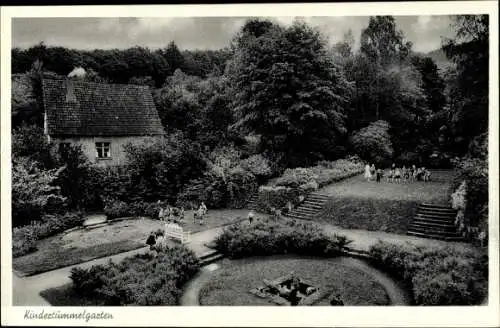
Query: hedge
x,y
270,237
436,276
144,279
24,238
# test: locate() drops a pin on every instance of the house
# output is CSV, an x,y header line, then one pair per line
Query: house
x,y
101,118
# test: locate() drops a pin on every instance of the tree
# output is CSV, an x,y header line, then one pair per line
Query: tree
x,y
373,143
173,57
469,50
433,83
288,90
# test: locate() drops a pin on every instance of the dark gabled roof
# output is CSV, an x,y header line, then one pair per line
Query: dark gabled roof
x,y
76,108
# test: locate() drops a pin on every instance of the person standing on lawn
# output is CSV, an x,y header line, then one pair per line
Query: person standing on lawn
x,y
367,172
379,174
372,171
151,241
250,216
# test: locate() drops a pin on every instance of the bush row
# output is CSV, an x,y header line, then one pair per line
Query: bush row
x,y
143,279
271,236
24,238
324,173
297,182
114,208
436,276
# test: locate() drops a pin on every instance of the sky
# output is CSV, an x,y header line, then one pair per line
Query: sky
x,y
425,32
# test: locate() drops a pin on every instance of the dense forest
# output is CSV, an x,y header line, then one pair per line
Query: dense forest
x,y
304,101
278,97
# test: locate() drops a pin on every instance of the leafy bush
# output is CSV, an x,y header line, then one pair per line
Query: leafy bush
x,y
373,143
143,279
437,276
475,174
320,175
278,237
34,192
118,209
276,197
24,238
30,141
160,168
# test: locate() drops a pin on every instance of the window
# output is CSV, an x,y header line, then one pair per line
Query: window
x,y
64,146
103,149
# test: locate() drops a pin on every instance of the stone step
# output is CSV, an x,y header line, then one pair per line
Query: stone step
x,y
434,224
297,216
432,231
307,209
434,236
432,210
436,207
211,259
437,215
312,204
435,218
318,197
208,254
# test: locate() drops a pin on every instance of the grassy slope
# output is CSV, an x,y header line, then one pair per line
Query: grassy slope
x,y
231,285
358,204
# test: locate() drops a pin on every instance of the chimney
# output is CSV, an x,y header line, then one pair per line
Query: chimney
x,y
70,91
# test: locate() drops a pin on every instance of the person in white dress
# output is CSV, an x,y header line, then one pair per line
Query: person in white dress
x,y
368,175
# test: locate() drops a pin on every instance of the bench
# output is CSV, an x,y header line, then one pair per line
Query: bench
x,y
175,231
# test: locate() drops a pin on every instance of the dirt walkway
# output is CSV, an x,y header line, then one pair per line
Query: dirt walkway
x,y
26,290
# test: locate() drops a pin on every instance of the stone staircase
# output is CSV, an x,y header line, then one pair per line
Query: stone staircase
x,y
435,222
252,200
311,206
210,257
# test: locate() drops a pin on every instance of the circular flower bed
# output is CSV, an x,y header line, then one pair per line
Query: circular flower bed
x,y
330,278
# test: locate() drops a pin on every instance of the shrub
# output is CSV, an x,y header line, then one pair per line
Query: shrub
x,y
278,237
143,279
324,173
34,192
436,276
160,168
373,143
276,197
475,174
24,238
118,209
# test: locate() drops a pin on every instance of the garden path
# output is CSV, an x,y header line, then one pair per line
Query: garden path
x,y
26,290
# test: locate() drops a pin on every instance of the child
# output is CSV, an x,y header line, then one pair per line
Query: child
x,y
250,217
368,176
151,241
372,171
379,175
397,175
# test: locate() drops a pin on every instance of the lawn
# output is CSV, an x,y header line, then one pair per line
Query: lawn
x,y
435,191
232,283
84,245
358,204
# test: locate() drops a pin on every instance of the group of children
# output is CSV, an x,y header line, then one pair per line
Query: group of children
x,y
398,175
176,215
